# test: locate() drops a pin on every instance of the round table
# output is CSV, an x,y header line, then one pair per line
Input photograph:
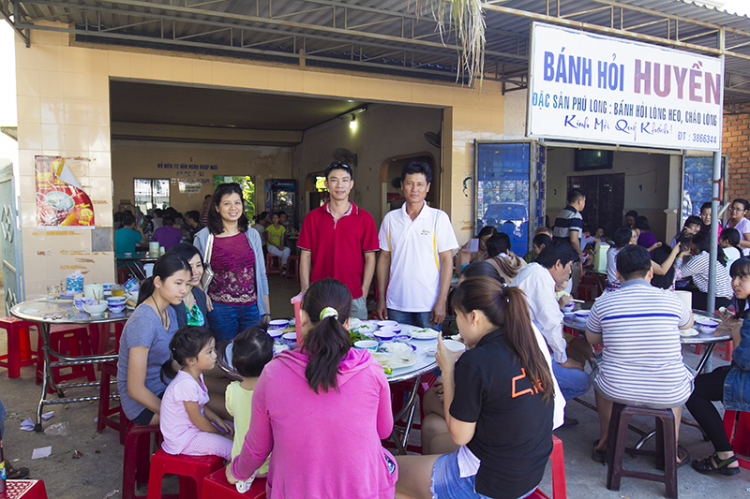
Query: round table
x,y
46,313
425,362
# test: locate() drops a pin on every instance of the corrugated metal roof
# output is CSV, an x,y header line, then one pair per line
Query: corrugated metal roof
x,y
379,35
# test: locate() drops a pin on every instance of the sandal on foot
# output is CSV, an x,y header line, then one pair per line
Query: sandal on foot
x,y
599,456
707,467
683,455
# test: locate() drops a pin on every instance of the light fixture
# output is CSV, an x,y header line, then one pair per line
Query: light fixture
x,y
353,123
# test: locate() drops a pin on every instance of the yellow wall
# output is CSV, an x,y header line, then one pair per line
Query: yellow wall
x,y
63,107
140,159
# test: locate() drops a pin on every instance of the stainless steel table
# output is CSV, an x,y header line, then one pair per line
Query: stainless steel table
x,y
46,313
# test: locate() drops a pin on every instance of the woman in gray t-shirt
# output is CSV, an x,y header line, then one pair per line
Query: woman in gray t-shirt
x,y
144,345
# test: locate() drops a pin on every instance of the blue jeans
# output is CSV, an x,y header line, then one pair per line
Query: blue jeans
x,y
419,319
573,382
227,321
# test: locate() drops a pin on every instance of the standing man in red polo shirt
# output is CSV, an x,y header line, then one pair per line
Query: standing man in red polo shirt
x,y
339,240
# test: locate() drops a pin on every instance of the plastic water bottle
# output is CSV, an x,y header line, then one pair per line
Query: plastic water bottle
x,y
244,485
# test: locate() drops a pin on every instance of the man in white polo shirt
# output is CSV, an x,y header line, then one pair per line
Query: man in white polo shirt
x,y
416,255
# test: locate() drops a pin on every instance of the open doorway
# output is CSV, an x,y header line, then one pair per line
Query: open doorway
x,y
605,199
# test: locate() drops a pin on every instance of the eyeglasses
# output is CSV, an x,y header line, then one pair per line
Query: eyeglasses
x,y
734,208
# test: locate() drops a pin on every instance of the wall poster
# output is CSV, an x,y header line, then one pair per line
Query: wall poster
x,y
60,199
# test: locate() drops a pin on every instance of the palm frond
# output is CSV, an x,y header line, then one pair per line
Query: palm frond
x,y
466,18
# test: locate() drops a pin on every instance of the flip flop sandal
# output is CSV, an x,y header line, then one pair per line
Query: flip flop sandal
x,y
599,456
684,455
17,473
706,467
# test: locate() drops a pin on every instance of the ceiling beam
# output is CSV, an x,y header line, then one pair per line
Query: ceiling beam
x,y
213,135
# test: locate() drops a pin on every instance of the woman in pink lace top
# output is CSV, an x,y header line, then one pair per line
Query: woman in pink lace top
x,y
239,289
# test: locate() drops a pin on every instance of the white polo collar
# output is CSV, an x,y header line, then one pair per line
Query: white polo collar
x,y
423,213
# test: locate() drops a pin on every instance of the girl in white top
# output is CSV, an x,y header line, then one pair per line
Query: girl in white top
x,y
730,243
737,220
698,267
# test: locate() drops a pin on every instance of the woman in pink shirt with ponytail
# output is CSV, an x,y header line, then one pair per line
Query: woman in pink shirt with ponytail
x,y
323,410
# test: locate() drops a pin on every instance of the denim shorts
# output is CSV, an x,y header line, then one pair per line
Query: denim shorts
x,y
448,484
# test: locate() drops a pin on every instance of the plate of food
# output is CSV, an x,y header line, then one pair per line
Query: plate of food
x,y
362,327
687,333
424,333
395,355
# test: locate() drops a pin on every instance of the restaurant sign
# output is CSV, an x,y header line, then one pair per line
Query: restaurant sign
x,y
593,88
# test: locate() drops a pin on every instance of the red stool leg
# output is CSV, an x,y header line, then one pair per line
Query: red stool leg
x,y
135,465
558,470
14,352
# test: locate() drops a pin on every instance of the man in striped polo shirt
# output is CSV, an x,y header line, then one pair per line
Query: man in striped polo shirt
x,y
639,325
569,229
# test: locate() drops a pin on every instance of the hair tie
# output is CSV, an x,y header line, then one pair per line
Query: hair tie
x,y
329,312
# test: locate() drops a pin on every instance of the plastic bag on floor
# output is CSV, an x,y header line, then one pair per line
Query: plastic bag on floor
x,y
57,429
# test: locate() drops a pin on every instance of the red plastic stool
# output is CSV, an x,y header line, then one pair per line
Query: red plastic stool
x,y
215,485
72,341
109,371
737,427
20,353
190,469
270,267
559,490
25,489
101,334
135,463
292,267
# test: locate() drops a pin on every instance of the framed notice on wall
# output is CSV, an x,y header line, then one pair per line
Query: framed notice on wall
x,y
593,88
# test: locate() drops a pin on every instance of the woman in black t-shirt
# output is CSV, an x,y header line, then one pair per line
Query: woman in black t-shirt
x,y
498,403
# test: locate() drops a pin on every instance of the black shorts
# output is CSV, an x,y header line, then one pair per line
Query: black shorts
x,y
144,418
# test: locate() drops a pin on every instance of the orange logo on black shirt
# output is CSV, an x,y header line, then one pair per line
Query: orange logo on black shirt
x,y
534,390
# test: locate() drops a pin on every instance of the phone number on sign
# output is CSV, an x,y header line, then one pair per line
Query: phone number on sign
x,y
706,139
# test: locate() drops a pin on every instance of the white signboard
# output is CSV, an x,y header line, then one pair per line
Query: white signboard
x,y
594,88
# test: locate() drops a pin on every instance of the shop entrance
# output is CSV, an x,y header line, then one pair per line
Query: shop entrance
x,y
605,199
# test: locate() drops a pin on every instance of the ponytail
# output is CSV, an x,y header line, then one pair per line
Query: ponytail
x,y
328,342
147,289
520,338
506,308
167,371
328,304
